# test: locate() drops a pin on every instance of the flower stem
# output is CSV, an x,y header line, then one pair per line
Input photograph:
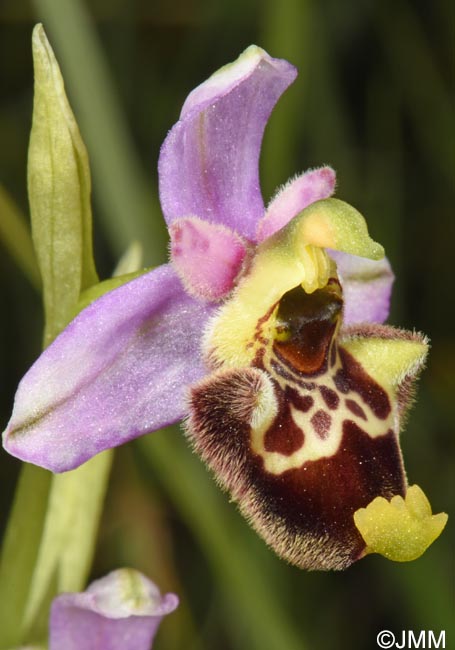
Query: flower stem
x,y
68,540
49,544
20,550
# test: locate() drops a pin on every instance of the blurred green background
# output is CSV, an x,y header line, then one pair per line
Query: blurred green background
x,y
373,100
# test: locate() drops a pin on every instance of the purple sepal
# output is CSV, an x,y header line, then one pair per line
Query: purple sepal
x,y
121,611
367,287
118,371
208,164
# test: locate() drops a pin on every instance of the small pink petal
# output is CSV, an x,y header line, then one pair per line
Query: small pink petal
x,y
207,257
293,197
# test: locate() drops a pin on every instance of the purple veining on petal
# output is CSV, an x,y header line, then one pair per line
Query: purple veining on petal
x,y
118,371
121,611
294,197
208,164
367,287
207,257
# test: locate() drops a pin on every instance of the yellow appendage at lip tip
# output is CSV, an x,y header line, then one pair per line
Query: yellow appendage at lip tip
x,y
400,529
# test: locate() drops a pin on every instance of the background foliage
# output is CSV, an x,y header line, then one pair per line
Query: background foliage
x,y
372,99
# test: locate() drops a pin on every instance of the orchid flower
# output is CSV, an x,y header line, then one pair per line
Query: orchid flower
x,y
121,611
264,331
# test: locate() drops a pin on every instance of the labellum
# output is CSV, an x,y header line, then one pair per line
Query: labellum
x,y
302,435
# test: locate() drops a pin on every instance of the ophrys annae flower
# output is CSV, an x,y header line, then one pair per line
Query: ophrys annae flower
x,y
264,330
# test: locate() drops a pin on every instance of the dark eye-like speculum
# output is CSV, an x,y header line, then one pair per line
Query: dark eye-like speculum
x,y
306,326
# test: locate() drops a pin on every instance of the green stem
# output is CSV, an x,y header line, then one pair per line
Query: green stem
x,y
20,550
51,535
68,541
49,544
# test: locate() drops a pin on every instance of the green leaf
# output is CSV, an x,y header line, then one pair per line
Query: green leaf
x,y
59,193
129,206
